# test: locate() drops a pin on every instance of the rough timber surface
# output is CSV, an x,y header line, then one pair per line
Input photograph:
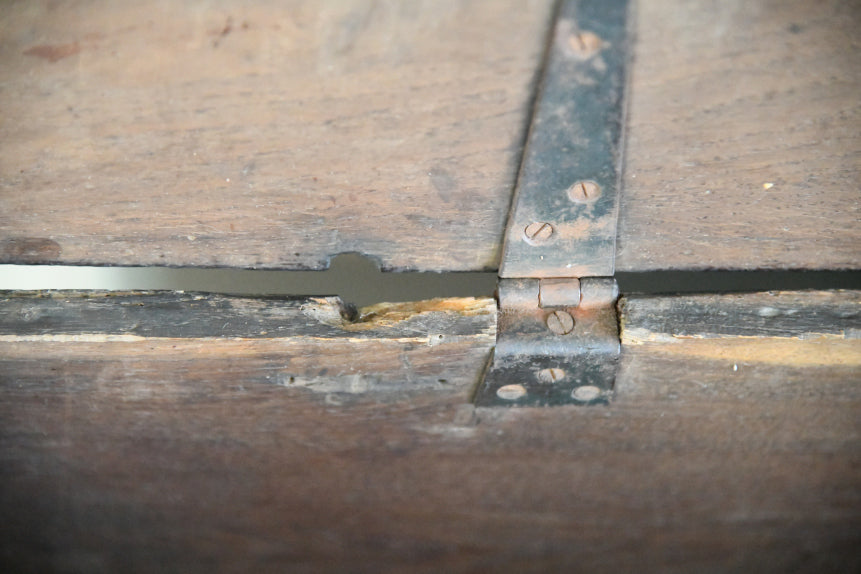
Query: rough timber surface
x,y
124,453
261,134
744,137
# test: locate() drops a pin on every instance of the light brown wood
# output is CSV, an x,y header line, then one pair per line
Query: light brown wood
x,y
260,134
744,137
127,454
253,135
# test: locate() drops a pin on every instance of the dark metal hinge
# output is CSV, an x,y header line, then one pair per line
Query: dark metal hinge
x,y
557,342
557,331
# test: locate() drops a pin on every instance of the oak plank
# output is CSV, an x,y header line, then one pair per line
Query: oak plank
x,y
263,135
744,137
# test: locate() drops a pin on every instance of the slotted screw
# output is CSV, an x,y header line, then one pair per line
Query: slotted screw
x,y
584,191
584,44
560,322
537,232
551,375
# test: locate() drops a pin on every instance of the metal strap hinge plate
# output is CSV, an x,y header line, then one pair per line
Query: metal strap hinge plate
x,y
557,342
557,330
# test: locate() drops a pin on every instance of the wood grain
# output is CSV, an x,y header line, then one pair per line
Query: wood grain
x,y
744,147
797,315
250,135
127,454
253,134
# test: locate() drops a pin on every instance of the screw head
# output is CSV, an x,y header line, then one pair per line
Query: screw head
x,y
585,191
551,375
560,322
586,393
584,44
537,232
511,392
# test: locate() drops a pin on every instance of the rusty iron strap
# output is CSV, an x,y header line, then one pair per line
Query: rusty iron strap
x,y
563,217
559,355
557,338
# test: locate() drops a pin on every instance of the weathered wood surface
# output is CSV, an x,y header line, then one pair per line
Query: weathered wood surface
x,y
260,134
744,137
800,315
392,347
274,136
125,453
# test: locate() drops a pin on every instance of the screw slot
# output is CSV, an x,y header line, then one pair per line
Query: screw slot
x,y
584,44
585,191
537,232
560,322
551,375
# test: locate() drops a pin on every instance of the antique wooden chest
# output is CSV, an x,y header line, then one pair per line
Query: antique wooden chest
x,y
700,157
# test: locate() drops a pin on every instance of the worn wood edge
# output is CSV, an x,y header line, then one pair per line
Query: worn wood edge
x,y
800,314
792,329
384,369
135,462
825,351
131,316
392,351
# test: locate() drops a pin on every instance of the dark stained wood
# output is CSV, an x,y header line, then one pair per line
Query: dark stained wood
x,y
127,454
744,147
180,315
756,343
802,315
261,134
391,347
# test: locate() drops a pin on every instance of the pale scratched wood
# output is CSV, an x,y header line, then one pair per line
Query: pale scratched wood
x,y
261,134
729,96
132,455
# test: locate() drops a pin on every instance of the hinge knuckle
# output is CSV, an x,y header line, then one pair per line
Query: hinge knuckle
x,y
518,294
559,292
598,292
